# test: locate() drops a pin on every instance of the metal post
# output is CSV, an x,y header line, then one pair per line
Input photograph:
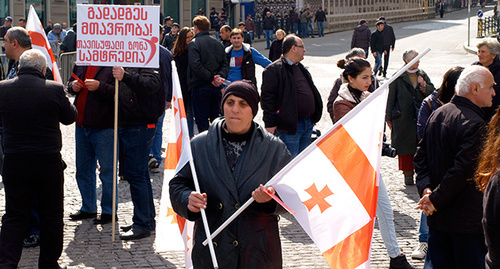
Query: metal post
x,y
468,24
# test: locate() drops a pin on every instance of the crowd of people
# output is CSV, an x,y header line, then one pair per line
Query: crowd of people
x,y
448,137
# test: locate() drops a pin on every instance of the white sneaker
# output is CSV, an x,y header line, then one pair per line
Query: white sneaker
x,y
420,252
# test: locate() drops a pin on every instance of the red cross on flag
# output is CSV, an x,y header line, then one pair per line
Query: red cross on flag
x,y
173,231
333,185
39,41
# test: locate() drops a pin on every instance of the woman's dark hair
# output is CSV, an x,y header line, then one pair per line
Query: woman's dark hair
x,y
447,89
180,46
354,67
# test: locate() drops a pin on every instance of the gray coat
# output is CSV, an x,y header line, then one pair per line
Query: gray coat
x,y
252,240
402,109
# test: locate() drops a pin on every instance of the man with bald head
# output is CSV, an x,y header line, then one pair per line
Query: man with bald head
x,y
445,162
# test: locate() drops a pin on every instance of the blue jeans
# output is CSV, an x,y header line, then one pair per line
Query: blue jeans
x,y
321,28
135,144
269,37
385,217
94,145
251,35
157,141
296,28
310,26
296,143
456,250
304,30
423,231
378,62
206,105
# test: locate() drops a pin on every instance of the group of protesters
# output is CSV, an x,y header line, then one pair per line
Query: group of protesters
x,y
234,155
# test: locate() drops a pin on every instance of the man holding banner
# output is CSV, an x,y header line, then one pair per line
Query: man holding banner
x,y
141,103
232,159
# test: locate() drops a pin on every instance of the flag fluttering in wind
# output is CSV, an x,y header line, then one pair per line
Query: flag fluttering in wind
x,y
173,231
39,41
333,185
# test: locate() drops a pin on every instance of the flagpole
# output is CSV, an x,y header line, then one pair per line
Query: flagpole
x,y
115,161
310,148
204,216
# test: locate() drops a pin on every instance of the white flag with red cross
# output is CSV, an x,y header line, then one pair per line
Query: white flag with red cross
x,y
333,185
39,41
173,231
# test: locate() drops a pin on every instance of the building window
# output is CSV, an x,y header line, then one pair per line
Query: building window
x,y
195,5
39,6
4,10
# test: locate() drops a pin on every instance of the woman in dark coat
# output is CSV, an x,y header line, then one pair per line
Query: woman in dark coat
x,y
180,52
233,158
488,180
406,94
277,46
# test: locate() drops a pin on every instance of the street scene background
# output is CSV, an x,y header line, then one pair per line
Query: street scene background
x,y
89,246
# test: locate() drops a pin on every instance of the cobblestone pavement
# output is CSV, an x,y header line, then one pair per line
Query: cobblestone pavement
x,y
89,246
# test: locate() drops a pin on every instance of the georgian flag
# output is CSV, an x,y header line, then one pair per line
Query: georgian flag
x,y
333,185
39,41
173,231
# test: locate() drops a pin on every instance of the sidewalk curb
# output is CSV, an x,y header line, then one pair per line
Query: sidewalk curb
x,y
469,49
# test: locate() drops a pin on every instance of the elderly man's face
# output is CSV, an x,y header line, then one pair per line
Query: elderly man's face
x,y
8,45
484,55
485,92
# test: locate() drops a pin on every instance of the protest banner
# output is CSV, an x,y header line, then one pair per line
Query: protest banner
x,y
114,35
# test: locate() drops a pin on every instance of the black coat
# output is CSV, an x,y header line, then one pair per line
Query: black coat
x,y
279,96
446,160
252,240
141,98
269,23
276,50
99,106
207,58
377,42
31,110
361,37
389,37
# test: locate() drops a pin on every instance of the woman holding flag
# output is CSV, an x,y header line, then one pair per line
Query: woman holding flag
x,y
358,75
233,159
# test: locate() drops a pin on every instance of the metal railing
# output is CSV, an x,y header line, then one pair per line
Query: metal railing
x,y
487,26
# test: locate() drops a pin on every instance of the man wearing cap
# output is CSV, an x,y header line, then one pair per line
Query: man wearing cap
x,y
57,34
377,46
361,36
246,157
170,38
168,25
6,26
389,42
284,82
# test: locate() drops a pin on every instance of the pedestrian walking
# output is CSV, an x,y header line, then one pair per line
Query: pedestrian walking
x,y
377,46
310,26
389,42
320,19
361,37
268,26
250,26
406,94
